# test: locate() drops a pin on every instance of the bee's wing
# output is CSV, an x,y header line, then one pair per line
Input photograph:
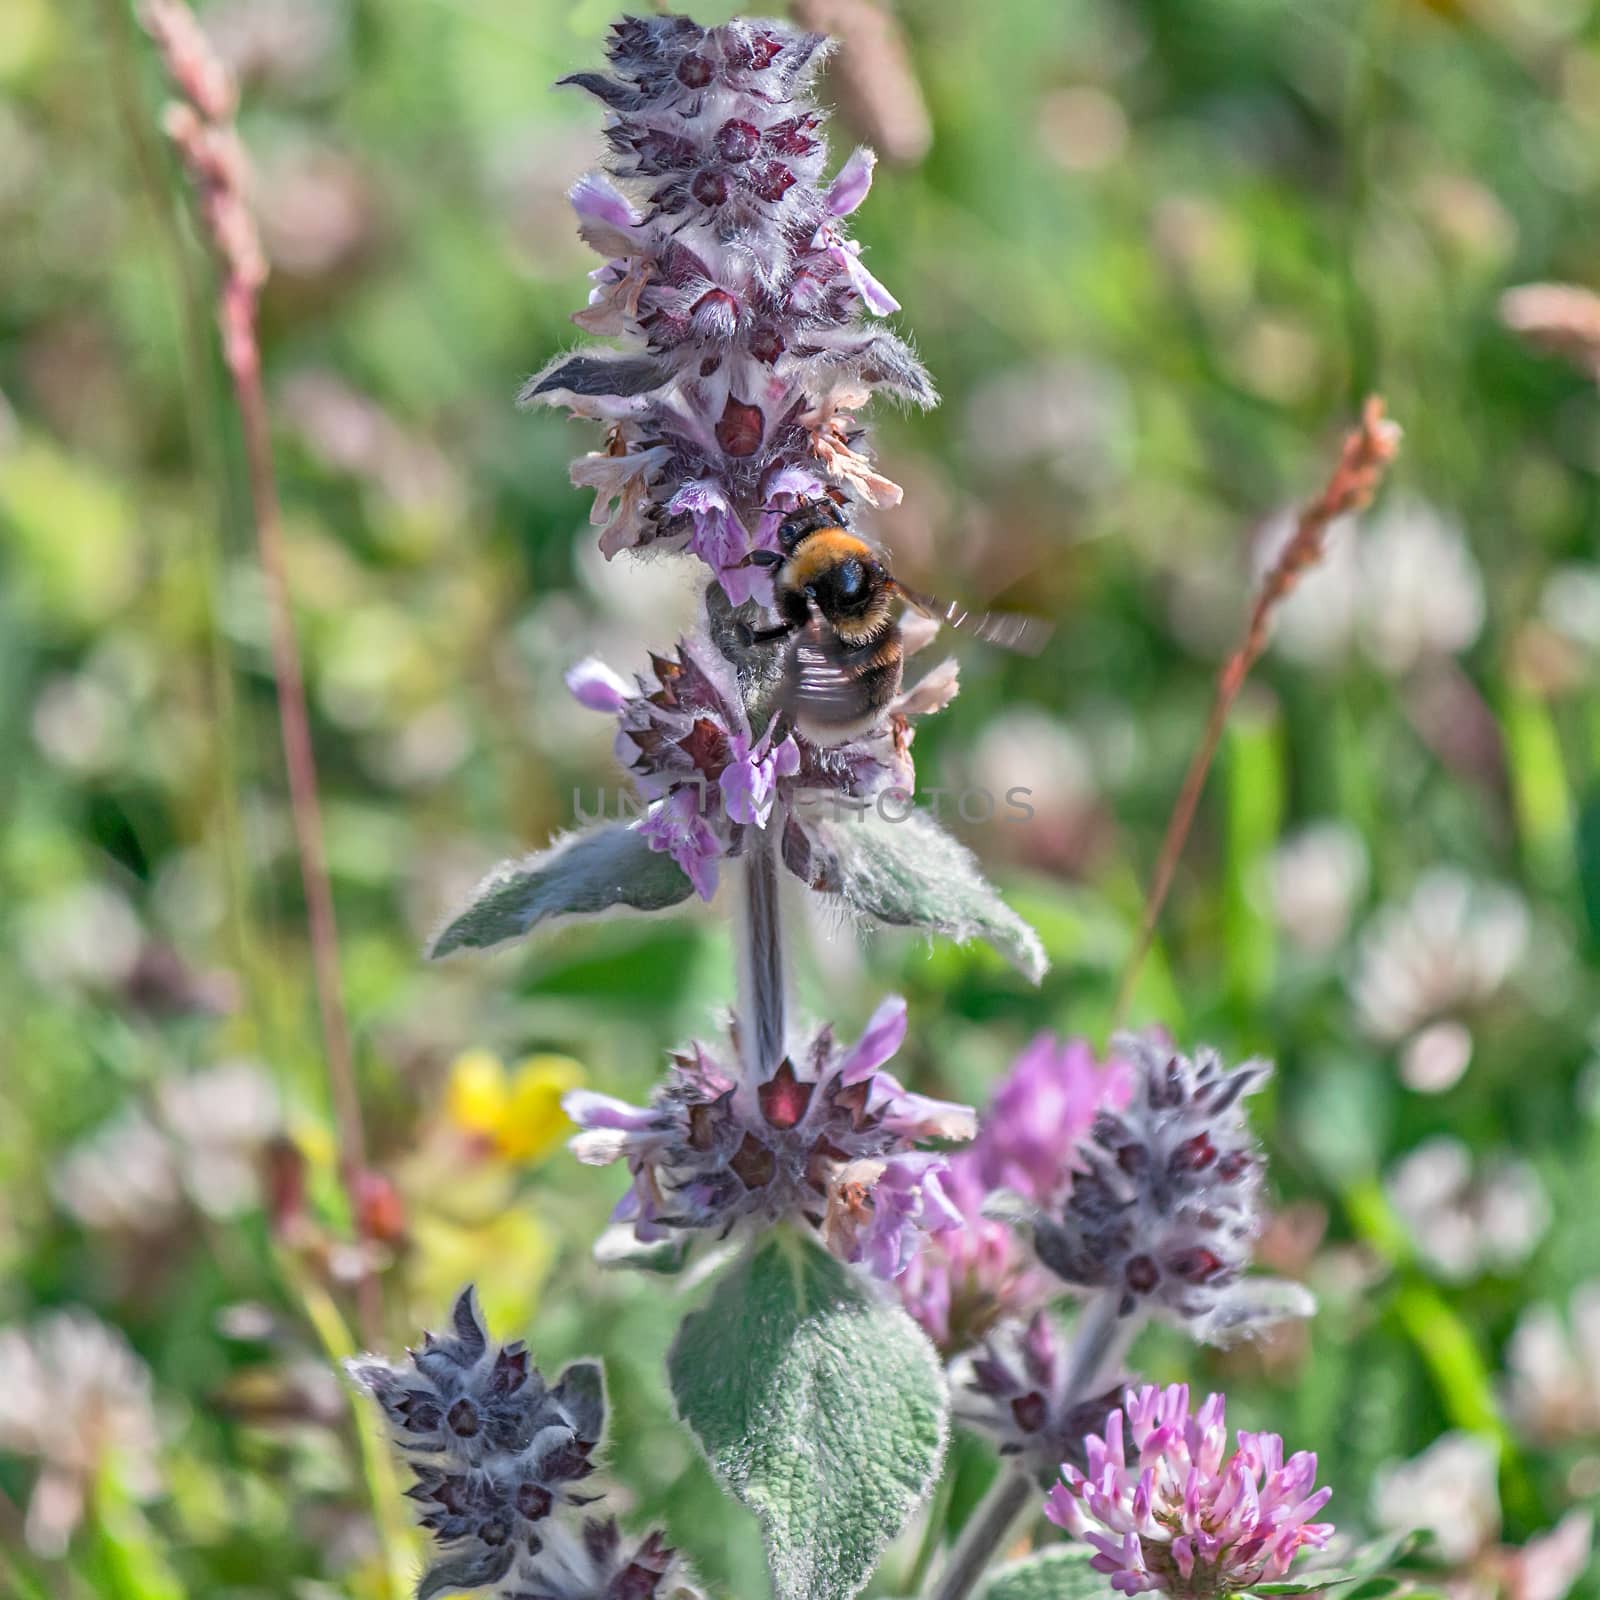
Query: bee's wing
x,y
821,688
1026,635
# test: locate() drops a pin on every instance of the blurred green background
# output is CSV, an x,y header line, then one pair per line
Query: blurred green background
x,y
1153,255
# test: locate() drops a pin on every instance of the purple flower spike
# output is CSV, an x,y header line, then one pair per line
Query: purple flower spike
x,y
718,1151
1013,1389
1046,1104
1167,1208
503,1465
684,735
740,300
1183,1518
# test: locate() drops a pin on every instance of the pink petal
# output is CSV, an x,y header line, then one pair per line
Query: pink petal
x,y
850,185
885,1030
596,686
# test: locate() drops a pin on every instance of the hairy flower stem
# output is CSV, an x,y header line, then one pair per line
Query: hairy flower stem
x,y
1100,1339
987,1534
1368,450
762,999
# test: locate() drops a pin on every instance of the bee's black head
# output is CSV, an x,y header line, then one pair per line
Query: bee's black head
x,y
847,588
809,517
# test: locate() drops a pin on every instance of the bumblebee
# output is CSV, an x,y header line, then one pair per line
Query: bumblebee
x,y
835,603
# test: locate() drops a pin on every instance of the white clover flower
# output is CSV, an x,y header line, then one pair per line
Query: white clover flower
x,y
1316,877
1553,1370
1451,1490
1421,590
1316,622
75,1399
1467,1220
1447,951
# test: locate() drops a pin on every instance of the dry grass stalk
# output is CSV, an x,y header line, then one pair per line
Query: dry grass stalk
x,y
875,79
200,123
1368,450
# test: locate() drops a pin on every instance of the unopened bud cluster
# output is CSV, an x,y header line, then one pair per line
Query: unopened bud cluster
x,y
1167,1209
1016,1388
498,1456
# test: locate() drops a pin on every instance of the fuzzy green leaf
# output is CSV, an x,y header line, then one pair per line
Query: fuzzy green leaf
x,y
905,870
586,873
1058,1572
819,1404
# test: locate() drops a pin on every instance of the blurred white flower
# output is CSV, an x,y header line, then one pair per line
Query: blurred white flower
x,y
1421,588
123,1177
76,1399
1465,1222
1553,1370
1436,1057
79,723
287,43
1405,586
1316,877
1448,949
1570,603
1027,758
1070,417
318,209
220,1120
86,936
1451,1491
205,1141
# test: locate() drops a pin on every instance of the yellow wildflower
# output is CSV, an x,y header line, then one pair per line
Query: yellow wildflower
x,y
517,1114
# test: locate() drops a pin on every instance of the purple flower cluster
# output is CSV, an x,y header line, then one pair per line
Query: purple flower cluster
x,y
497,1455
1017,1389
685,737
737,295
1184,1518
1166,1210
972,1277
828,1138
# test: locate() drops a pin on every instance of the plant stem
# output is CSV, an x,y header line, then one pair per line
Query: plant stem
x,y
199,394
762,1026
1368,450
1100,1338
986,1534
306,810
200,123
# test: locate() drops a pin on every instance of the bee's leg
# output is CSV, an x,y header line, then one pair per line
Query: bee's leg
x,y
749,635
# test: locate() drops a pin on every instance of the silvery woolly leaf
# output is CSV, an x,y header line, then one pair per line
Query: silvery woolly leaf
x,y
820,1406
606,866
1251,1307
908,872
473,1569
592,373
